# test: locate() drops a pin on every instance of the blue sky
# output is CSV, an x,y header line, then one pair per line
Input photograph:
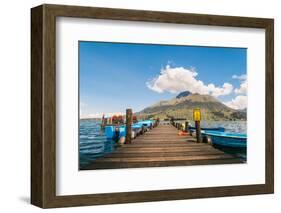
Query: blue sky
x,y
115,76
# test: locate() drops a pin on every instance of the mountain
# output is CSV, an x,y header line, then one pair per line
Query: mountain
x,y
183,94
183,104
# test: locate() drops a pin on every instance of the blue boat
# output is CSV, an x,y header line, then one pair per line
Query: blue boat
x,y
146,123
233,140
115,132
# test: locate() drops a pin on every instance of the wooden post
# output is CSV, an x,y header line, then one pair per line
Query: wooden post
x,y
117,133
186,126
129,126
205,139
142,130
102,122
198,131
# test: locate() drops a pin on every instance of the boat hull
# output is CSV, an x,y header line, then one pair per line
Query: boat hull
x,y
233,140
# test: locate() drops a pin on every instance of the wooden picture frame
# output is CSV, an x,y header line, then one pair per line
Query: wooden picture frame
x,y
43,105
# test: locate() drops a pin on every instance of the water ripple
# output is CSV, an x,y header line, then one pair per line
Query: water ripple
x,y
92,142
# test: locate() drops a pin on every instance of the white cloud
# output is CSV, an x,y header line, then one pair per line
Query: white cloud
x,y
240,77
243,86
179,79
242,89
226,89
239,102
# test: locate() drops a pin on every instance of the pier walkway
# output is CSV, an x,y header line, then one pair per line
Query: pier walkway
x,y
162,146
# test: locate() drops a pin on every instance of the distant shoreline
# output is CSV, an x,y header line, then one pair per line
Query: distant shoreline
x,y
90,118
99,119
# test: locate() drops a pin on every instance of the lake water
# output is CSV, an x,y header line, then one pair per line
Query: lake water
x,y
93,142
230,126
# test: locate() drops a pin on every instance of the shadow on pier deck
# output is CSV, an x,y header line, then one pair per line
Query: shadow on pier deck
x,y
162,146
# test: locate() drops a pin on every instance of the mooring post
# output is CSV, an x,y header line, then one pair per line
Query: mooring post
x,y
186,126
102,121
198,131
129,121
142,130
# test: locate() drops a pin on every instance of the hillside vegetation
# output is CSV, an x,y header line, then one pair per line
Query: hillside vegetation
x,y
183,104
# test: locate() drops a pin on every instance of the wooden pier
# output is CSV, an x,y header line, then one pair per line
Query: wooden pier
x,y
162,146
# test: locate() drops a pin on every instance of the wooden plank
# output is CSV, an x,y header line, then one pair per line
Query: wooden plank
x,y
165,158
161,154
185,144
143,140
118,165
160,145
163,149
